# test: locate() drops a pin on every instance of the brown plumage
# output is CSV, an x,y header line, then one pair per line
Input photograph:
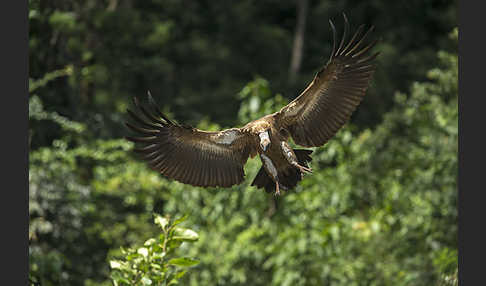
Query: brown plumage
x,y
202,158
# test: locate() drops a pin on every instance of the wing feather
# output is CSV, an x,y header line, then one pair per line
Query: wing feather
x,y
327,103
189,155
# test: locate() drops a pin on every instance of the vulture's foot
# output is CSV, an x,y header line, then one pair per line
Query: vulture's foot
x,y
304,169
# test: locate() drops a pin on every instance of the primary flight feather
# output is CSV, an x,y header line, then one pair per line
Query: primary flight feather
x,y
202,158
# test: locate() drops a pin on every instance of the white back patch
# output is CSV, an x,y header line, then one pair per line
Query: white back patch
x,y
269,164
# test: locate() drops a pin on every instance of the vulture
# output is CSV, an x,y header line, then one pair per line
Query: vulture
x,y
216,159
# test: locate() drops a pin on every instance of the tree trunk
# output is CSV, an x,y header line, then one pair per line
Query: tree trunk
x,y
298,47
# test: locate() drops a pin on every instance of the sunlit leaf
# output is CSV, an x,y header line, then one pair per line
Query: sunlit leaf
x,y
185,234
161,221
143,251
115,264
146,281
183,262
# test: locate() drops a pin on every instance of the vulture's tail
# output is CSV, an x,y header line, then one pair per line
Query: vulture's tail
x,y
289,179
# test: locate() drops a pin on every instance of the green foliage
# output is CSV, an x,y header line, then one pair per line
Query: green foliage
x,y
155,263
61,207
37,112
86,199
35,84
380,208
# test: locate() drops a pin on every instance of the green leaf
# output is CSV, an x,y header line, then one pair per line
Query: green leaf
x,y
146,281
183,262
175,243
180,274
117,277
158,255
143,251
185,234
156,266
115,264
161,221
179,220
149,242
132,256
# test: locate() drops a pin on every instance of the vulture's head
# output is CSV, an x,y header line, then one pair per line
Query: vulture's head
x,y
264,140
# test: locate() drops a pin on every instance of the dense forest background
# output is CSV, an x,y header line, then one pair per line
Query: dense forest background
x,y
380,208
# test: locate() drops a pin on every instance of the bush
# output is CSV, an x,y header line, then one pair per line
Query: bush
x,y
155,263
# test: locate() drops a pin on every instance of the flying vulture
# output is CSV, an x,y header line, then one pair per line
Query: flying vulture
x,y
212,159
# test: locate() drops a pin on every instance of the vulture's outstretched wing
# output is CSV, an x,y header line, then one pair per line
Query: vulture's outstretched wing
x,y
189,155
327,103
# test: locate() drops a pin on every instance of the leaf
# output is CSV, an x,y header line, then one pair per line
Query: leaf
x,y
180,274
175,280
158,255
161,221
115,264
117,277
185,234
183,262
143,251
175,243
149,242
132,256
155,266
179,220
146,281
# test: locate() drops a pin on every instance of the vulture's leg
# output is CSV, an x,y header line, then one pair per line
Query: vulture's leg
x,y
277,189
292,159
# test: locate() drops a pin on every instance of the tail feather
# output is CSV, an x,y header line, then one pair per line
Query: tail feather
x,y
303,156
290,177
262,180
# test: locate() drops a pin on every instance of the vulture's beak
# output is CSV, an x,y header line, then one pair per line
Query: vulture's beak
x,y
264,144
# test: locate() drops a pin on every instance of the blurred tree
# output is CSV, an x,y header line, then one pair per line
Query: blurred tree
x,y
297,49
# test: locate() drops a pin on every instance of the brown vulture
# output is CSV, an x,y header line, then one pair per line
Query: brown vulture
x,y
202,158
